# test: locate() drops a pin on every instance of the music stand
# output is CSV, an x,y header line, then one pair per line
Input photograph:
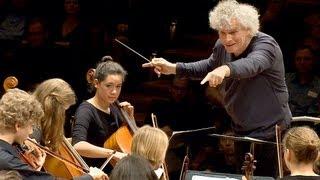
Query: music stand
x,y
315,120
187,137
244,138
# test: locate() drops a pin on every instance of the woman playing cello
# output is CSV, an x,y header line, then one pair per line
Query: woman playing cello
x,y
96,119
56,96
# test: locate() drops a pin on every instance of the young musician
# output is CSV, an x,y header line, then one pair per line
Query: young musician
x,y
55,96
152,144
97,118
301,150
19,113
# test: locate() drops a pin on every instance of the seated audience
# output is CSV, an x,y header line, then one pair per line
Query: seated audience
x,y
303,84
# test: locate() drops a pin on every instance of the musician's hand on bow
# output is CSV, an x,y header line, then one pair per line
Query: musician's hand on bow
x,y
128,108
97,174
119,155
217,76
161,66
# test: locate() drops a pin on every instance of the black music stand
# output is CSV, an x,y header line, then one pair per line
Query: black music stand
x,y
252,142
188,137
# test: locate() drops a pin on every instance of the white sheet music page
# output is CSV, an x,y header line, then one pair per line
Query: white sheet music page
x,y
197,177
159,172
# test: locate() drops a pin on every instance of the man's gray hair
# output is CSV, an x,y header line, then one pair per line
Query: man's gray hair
x,y
226,10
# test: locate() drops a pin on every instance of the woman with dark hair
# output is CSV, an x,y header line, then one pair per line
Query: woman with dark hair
x,y
97,118
133,167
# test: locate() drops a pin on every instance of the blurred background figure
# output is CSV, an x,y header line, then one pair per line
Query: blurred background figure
x,y
303,84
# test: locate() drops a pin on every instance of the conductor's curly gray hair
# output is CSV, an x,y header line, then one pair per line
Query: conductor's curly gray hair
x,y
226,10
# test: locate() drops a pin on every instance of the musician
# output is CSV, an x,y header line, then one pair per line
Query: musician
x,y
96,119
152,144
55,96
19,112
301,150
133,167
247,67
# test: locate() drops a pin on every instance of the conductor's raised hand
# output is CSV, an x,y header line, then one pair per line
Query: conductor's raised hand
x,y
161,66
217,76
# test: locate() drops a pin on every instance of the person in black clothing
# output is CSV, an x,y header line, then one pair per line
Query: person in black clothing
x,y
19,112
97,118
247,68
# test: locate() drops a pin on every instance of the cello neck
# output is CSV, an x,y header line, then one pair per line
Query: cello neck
x,y
126,118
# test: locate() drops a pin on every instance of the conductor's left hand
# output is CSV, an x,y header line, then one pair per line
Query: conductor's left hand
x,y
217,76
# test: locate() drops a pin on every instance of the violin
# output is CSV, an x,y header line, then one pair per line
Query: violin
x,y
248,166
29,154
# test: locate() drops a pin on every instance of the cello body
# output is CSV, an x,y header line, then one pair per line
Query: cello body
x,y
61,169
120,140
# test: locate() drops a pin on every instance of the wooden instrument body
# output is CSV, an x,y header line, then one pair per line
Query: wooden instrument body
x,y
62,169
121,140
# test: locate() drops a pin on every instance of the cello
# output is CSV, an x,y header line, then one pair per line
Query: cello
x,y
121,140
59,168
10,82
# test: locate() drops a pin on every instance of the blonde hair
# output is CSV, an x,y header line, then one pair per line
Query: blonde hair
x,y
303,142
150,143
227,10
54,95
17,106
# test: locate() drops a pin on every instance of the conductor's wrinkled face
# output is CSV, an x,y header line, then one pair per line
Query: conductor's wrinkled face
x,y
234,37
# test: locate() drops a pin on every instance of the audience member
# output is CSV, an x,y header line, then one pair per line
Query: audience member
x,y
303,84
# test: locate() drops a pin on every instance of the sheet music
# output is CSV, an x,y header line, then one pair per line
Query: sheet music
x,y
159,172
197,177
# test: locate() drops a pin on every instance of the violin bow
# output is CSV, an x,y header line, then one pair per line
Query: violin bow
x,y
108,160
58,156
278,141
